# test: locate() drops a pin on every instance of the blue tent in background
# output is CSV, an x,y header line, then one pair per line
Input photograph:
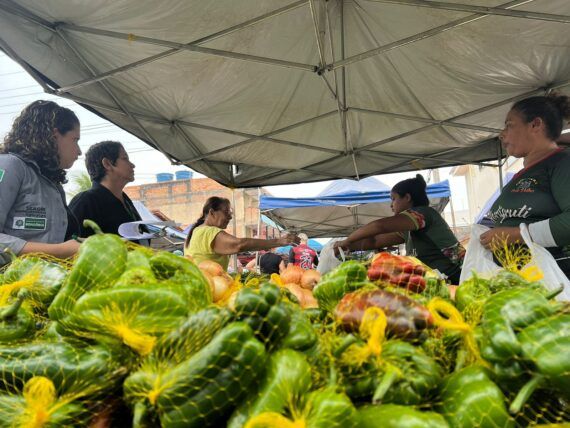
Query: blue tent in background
x,y
338,214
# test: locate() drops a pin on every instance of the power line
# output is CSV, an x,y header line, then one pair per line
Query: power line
x,y
19,87
12,73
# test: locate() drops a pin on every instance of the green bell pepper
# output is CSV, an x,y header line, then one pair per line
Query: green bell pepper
x,y
288,377
347,277
51,278
165,265
101,261
139,258
201,390
136,276
178,269
546,347
38,406
264,312
318,409
469,399
509,310
17,321
474,291
68,366
191,335
404,374
302,335
396,416
132,316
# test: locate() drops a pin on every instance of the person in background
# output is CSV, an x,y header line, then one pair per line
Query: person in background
x,y
538,194
34,218
105,203
424,231
270,263
207,239
302,255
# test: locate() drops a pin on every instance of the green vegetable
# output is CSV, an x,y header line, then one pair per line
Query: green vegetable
x,y
287,379
139,258
405,375
67,365
396,416
136,276
546,347
165,265
509,310
347,277
474,291
201,390
264,312
134,316
191,335
16,321
302,335
38,406
469,398
101,260
51,277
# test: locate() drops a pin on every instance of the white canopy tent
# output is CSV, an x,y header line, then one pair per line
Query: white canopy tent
x,y
264,92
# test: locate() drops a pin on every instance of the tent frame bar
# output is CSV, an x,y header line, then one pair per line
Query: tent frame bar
x,y
427,120
107,89
197,42
183,47
501,11
254,138
416,37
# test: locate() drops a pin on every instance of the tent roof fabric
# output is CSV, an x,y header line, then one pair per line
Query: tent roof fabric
x,y
339,187
266,92
339,215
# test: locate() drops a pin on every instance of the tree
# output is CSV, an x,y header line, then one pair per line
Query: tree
x,y
81,182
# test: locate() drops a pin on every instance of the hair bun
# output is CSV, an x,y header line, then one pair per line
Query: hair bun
x,y
421,179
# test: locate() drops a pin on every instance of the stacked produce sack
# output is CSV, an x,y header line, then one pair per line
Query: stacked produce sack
x,y
124,336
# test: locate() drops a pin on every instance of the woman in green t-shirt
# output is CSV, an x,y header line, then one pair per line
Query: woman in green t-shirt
x,y
207,239
425,233
538,194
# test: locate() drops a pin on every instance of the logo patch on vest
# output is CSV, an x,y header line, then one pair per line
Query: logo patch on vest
x,y
29,223
525,185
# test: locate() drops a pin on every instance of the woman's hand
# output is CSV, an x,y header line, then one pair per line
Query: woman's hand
x,y
500,235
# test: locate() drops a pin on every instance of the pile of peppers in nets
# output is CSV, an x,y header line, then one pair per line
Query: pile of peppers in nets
x,y
124,336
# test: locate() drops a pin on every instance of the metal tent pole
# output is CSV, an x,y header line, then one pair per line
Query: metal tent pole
x,y
234,226
258,229
500,157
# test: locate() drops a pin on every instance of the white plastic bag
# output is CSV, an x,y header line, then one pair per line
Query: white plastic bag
x,y
480,260
553,278
477,258
327,259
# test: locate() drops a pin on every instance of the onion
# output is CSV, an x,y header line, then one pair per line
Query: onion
x,y
310,278
213,268
221,286
292,275
309,300
297,291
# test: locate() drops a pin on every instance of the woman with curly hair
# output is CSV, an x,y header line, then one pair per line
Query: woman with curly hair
x,y
41,145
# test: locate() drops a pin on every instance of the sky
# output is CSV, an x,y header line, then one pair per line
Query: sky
x,y
17,89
